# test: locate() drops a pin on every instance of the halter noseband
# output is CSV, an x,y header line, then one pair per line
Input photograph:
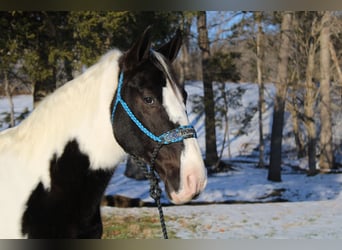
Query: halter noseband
x,y
171,136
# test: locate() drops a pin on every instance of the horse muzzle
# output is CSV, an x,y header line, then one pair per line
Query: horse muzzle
x,y
191,187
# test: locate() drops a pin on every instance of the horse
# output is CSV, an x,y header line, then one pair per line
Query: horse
x,y
56,164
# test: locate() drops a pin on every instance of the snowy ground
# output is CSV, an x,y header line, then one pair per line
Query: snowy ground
x,y
295,220
313,210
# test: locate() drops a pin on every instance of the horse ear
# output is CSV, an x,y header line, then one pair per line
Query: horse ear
x,y
140,49
170,50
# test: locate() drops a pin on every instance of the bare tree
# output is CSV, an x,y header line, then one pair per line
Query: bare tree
x,y
309,103
274,173
225,111
185,66
294,107
326,155
260,56
335,60
8,92
301,39
211,156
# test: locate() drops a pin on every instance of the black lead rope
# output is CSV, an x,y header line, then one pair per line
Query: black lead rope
x,y
155,190
174,135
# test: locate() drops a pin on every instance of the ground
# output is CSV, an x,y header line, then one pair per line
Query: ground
x,y
297,220
311,208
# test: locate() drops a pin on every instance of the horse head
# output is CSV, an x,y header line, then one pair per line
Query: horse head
x,y
148,105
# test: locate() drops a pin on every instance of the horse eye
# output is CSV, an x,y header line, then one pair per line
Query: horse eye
x,y
149,100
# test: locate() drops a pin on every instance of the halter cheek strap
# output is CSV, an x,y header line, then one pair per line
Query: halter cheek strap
x,y
171,136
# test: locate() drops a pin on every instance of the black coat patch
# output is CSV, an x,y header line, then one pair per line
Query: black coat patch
x,y
71,208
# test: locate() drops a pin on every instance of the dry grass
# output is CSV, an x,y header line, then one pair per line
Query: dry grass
x,y
132,227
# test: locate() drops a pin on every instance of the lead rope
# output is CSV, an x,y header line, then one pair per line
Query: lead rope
x,y
155,190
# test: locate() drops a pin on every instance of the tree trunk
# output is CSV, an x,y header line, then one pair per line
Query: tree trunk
x,y
211,156
274,173
226,123
335,60
309,108
297,133
295,107
260,58
326,156
185,55
337,66
10,100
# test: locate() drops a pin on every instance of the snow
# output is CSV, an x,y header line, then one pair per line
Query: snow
x,y
245,184
314,210
314,204
297,220
21,103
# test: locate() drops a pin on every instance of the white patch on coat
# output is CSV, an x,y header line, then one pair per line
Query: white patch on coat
x,y
79,110
193,174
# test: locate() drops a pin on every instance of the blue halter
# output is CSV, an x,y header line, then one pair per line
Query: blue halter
x,y
171,136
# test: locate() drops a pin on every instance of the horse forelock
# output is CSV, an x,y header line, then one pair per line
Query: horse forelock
x,y
173,94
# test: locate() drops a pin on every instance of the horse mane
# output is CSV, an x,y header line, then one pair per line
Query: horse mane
x,y
77,110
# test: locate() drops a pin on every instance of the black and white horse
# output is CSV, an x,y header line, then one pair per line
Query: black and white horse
x,y
54,166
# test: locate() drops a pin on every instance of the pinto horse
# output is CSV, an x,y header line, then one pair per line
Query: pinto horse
x,y
55,165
